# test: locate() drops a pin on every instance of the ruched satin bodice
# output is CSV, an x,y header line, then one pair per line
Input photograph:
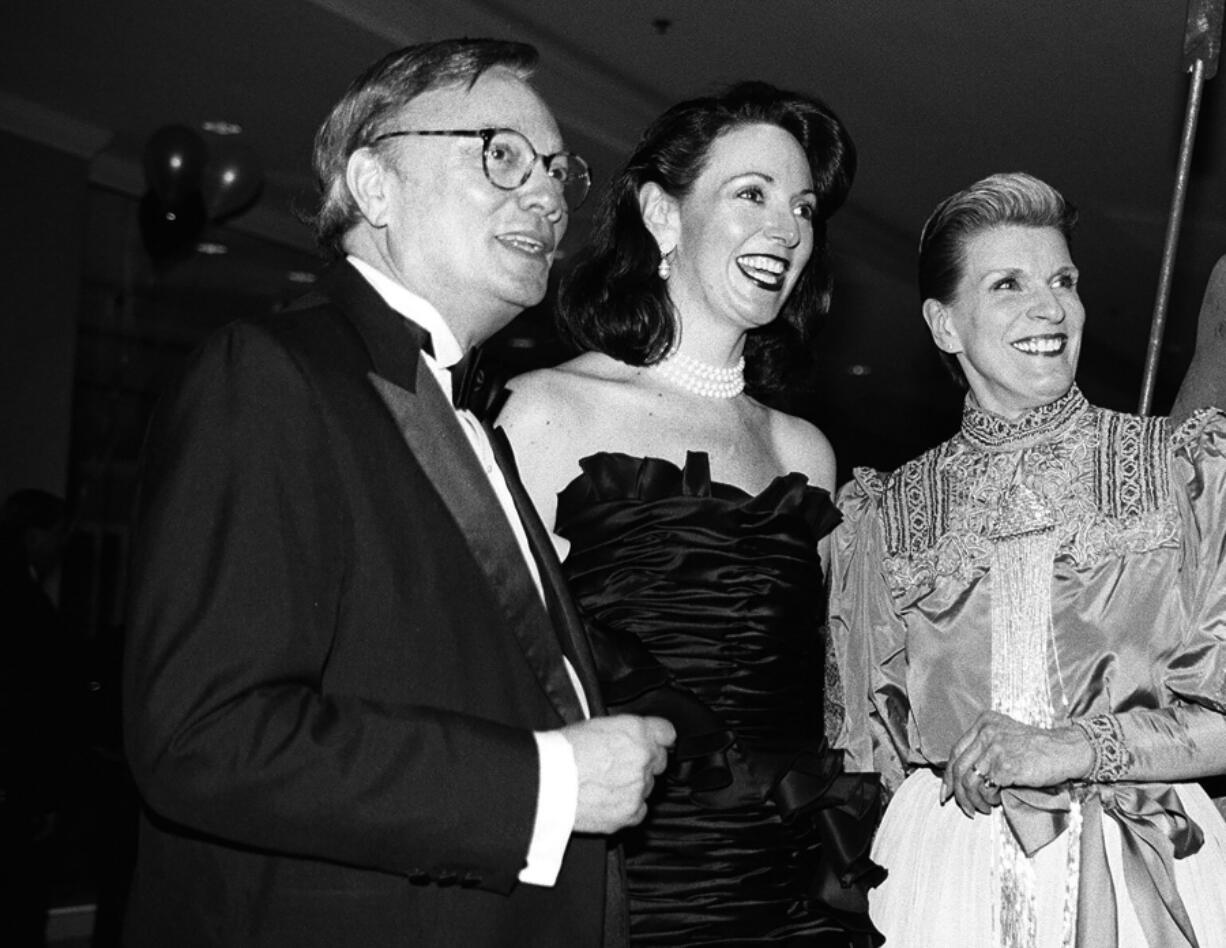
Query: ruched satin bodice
x,y
705,606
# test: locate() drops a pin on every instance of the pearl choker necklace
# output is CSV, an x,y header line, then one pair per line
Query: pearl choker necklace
x,y
699,378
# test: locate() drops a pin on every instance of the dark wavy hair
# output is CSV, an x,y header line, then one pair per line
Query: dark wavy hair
x,y
613,301
999,200
377,95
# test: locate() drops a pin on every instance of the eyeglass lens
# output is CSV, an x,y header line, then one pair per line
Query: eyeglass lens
x,y
509,157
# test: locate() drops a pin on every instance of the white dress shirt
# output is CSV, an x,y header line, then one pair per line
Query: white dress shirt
x,y
558,793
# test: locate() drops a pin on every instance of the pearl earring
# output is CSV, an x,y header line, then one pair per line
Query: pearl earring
x,y
665,268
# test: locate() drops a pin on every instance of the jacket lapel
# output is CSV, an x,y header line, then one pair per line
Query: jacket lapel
x,y
569,624
430,428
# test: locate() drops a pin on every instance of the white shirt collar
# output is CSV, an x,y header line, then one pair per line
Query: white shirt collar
x,y
416,309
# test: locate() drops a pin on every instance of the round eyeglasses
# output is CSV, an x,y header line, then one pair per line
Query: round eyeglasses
x,y
508,159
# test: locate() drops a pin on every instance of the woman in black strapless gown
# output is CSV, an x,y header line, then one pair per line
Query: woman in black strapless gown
x,y
698,589
690,516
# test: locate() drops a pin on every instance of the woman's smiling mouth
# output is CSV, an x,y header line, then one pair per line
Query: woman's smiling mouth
x,y
1041,345
764,270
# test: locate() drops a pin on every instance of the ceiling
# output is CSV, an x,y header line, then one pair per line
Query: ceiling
x,y
1088,94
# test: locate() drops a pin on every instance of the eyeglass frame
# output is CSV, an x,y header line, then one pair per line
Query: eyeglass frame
x,y
487,135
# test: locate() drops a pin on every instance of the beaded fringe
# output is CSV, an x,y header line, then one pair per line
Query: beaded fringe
x,y
1021,575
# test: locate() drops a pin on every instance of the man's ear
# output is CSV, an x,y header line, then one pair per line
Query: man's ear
x,y
661,216
941,324
366,176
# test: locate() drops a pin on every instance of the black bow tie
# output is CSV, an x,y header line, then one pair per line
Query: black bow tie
x,y
476,386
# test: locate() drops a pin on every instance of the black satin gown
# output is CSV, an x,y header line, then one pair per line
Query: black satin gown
x,y
705,605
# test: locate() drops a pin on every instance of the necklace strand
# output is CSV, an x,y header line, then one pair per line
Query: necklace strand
x,y
701,378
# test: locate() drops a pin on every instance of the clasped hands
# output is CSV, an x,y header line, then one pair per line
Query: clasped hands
x,y
998,751
618,759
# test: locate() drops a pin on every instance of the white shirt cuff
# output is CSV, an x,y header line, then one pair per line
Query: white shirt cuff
x,y
556,803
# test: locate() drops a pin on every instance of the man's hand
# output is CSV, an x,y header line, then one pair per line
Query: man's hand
x,y
617,759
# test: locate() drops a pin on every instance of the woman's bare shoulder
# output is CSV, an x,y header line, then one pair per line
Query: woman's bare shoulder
x,y
579,382
595,374
802,447
571,377
555,416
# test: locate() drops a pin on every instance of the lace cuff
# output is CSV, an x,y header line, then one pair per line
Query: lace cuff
x,y
1112,758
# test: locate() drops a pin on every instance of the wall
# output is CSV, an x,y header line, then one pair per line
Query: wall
x,y
43,193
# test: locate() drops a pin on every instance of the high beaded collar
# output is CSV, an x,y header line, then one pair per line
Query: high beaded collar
x,y
991,432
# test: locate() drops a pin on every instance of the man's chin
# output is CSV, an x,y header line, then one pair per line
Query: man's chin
x,y
525,294
511,305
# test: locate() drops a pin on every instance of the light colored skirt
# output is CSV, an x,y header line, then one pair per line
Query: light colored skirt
x,y
940,868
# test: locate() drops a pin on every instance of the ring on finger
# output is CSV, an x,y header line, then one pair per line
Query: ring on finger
x,y
987,781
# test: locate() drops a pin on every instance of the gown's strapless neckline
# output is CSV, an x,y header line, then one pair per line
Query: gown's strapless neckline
x,y
612,475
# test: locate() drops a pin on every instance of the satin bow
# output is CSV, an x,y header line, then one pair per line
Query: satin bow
x,y
1155,830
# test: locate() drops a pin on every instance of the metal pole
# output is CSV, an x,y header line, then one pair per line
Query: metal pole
x,y
1158,324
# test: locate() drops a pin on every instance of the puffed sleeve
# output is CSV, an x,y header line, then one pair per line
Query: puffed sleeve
x,y
868,638
1187,738
1199,482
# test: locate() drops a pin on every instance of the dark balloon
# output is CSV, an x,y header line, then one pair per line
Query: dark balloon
x,y
170,231
233,178
175,157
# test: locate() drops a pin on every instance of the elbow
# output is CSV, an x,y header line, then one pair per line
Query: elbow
x,y
169,770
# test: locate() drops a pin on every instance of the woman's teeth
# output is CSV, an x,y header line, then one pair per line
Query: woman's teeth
x,y
1041,345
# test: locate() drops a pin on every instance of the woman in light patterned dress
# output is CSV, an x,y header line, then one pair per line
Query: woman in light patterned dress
x,y
1031,624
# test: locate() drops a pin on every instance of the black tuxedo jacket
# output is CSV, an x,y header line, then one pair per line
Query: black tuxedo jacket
x,y
336,657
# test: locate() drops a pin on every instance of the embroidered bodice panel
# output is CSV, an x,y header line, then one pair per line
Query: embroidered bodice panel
x,y
1100,479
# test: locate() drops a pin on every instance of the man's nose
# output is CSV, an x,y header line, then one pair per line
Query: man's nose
x,y
543,193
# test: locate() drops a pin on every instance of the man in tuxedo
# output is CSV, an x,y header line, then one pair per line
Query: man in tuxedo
x,y
359,702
